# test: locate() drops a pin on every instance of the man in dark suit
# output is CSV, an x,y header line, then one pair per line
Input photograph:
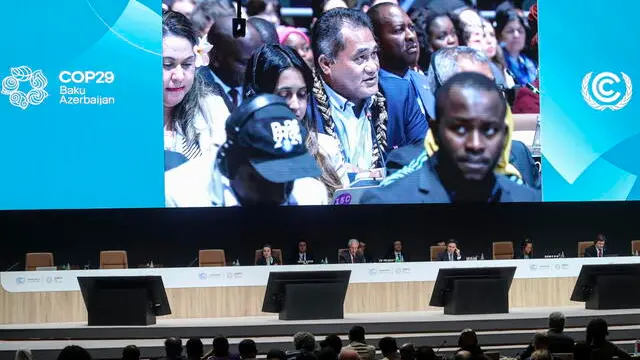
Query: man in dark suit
x,y
229,59
598,249
366,116
353,255
301,256
397,253
470,132
399,50
558,342
452,253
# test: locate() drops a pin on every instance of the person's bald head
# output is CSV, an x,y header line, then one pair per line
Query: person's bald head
x,y
348,355
463,355
395,33
230,56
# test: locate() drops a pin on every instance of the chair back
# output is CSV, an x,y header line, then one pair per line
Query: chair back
x,y
114,259
502,250
635,247
436,250
211,257
582,245
36,260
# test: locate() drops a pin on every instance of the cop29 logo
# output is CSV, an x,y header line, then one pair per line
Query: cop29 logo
x,y
605,97
19,98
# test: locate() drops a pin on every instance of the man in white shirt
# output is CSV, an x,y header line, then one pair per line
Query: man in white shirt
x,y
263,162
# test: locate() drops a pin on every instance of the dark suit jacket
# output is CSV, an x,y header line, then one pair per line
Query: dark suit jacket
x,y
293,260
263,261
420,86
592,252
444,256
406,123
423,186
521,158
345,258
392,255
205,73
559,343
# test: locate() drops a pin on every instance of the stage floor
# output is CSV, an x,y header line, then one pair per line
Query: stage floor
x,y
507,333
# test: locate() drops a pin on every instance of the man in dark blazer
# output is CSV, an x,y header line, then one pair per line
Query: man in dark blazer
x,y
345,92
452,253
559,342
399,50
463,169
397,253
229,59
301,255
598,249
352,255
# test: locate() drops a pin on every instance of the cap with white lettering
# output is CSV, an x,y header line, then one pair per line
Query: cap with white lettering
x,y
274,141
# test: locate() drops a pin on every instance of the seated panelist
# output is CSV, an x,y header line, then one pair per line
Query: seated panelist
x,y
452,253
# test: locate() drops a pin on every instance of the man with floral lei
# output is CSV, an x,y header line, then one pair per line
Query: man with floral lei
x,y
368,116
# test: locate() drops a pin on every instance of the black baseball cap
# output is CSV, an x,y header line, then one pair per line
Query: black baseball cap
x,y
270,136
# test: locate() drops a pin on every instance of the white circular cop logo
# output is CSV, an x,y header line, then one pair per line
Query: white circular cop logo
x,y
600,87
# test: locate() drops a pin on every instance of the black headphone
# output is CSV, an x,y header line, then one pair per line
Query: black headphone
x,y
241,116
251,91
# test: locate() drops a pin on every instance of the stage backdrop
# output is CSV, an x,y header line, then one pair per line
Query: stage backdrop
x,y
589,114
81,105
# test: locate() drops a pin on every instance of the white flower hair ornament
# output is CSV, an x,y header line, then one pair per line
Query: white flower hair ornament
x,y
201,50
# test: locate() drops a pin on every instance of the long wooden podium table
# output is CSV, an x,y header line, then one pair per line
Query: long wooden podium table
x,y
237,291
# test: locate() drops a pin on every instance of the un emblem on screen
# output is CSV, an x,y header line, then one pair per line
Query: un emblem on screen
x,y
19,98
605,97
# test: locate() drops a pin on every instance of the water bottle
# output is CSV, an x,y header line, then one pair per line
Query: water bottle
x,y
482,256
562,254
535,147
236,263
151,264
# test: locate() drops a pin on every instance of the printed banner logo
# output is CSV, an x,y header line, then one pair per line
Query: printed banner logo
x,y
18,98
606,98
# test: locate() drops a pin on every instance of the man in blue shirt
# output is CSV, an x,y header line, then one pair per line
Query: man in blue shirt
x,y
470,132
399,50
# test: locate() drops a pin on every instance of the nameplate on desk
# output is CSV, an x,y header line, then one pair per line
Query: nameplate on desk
x,y
386,260
307,262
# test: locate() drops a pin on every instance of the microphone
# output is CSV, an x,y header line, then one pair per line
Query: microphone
x,y
527,85
13,266
192,262
239,24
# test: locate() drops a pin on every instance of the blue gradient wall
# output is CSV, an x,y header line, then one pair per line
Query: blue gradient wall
x,y
57,156
588,154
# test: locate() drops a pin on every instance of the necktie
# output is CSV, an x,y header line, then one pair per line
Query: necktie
x,y
450,257
352,261
397,257
599,252
233,94
304,257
